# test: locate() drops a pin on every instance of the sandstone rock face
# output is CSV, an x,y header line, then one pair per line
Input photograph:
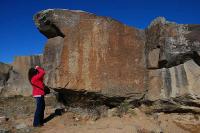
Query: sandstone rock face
x,y
173,60
4,74
17,82
22,64
52,60
174,82
99,54
92,53
176,43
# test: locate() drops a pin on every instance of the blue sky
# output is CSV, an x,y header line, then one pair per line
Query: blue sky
x,y
19,36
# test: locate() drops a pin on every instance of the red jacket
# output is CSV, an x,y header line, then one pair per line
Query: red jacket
x,y
37,82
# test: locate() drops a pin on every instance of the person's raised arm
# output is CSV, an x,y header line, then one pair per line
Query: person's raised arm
x,y
40,74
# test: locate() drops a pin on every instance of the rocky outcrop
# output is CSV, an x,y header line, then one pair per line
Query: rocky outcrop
x,y
175,81
101,61
22,64
169,44
96,54
17,76
173,60
88,52
4,74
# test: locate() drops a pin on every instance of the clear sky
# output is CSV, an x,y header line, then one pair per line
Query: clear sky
x,y
19,36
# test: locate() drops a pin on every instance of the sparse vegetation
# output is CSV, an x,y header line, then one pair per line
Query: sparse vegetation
x,y
123,108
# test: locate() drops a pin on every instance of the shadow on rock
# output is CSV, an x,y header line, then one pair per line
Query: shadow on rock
x,y
86,99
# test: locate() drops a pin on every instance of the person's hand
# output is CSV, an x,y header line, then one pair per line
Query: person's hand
x,y
36,67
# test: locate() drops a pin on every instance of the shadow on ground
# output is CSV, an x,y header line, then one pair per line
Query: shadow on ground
x,y
58,112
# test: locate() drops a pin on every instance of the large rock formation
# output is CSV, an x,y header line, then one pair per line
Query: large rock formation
x,y
169,44
172,52
100,59
88,52
16,75
22,64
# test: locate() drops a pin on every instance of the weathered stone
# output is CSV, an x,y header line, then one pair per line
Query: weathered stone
x,y
153,59
177,42
174,82
22,64
4,74
52,60
113,112
21,126
193,77
4,68
154,85
17,82
96,53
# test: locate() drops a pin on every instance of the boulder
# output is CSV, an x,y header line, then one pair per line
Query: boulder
x,y
85,52
174,82
177,43
173,61
93,53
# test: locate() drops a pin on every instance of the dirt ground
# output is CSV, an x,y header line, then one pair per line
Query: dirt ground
x,y
18,113
138,122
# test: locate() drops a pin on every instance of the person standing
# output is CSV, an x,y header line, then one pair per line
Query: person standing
x,y
36,77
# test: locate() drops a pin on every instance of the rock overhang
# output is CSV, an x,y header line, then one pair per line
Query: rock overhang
x,y
50,22
91,39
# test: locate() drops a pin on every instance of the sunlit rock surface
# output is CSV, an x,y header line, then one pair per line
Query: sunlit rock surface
x,y
93,53
17,82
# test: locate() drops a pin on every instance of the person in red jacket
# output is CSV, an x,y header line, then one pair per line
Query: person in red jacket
x,y
36,77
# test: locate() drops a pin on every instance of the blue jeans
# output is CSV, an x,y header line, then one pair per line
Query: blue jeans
x,y
39,112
